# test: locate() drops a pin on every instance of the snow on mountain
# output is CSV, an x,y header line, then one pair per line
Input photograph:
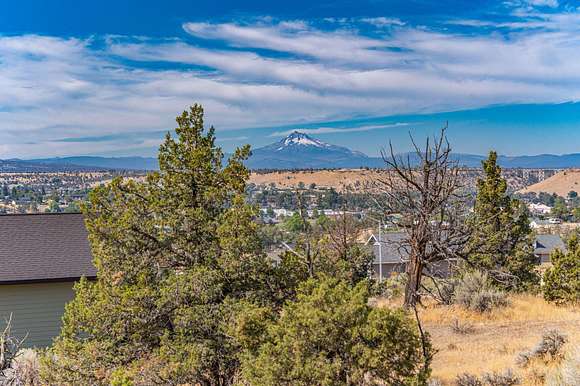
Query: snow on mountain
x,y
298,138
300,151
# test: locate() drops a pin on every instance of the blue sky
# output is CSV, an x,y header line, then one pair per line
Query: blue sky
x,y
108,78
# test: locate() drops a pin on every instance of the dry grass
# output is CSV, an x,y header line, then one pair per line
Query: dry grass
x,y
560,183
338,179
497,337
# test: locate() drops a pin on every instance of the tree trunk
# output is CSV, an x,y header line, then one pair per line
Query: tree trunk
x,y
414,271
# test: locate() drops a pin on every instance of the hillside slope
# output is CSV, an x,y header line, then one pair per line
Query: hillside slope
x,y
495,339
561,183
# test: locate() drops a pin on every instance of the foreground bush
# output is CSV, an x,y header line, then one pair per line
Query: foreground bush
x,y
562,280
23,370
549,348
507,378
568,373
331,336
475,293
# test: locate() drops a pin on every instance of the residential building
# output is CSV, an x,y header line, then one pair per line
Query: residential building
x,y
390,255
539,209
544,245
41,257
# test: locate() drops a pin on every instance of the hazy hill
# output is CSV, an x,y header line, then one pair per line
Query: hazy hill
x,y
20,166
560,183
130,163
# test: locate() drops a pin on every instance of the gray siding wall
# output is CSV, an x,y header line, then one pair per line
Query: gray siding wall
x,y
36,309
388,269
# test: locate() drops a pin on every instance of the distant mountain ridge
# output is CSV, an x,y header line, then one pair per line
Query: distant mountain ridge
x,y
127,163
296,151
300,151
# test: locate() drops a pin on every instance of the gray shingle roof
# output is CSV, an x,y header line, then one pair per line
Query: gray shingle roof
x,y
44,247
545,244
391,249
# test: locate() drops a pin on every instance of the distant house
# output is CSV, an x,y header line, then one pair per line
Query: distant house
x,y
281,212
544,245
542,224
539,208
41,257
391,256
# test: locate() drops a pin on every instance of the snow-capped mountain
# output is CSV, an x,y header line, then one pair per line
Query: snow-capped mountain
x,y
296,151
297,138
300,151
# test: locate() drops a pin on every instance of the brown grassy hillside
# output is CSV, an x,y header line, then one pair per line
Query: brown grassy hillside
x,y
339,179
496,337
560,183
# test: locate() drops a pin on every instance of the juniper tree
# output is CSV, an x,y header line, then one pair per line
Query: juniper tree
x,y
562,279
172,252
501,240
330,336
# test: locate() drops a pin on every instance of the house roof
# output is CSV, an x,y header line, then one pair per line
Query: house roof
x,y
44,247
545,244
389,247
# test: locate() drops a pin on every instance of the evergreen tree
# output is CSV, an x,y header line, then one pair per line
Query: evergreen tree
x,y
562,280
331,336
172,253
501,240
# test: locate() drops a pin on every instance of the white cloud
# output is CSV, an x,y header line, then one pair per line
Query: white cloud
x,y
543,3
69,87
329,130
383,21
340,45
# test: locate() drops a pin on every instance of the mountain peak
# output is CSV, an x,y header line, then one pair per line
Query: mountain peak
x,y
301,139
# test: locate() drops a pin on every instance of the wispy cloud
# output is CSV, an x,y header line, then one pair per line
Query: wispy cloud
x,y
92,92
233,139
328,130
383,21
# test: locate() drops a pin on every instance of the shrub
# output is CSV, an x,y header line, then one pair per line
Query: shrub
x,y
562,280
393,287
447,291
548,348
507,378
331,336
475,293
466,379
568,373
24,370
486,300
461,328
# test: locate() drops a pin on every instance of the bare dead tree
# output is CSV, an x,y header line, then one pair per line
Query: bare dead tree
x,y
425,188
9,346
